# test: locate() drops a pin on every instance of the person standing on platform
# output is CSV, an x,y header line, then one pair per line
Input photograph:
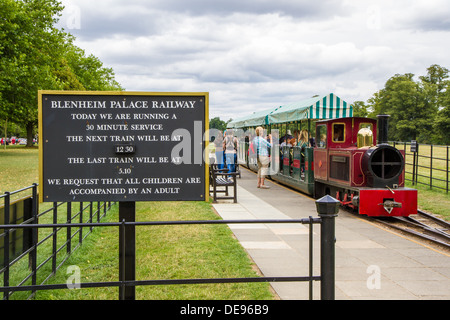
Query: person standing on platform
x,y
218,143
230,146
262,151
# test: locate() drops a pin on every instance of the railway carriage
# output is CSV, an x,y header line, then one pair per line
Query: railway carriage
x,y
342,159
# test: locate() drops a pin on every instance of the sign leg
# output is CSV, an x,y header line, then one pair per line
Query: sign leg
x,y
127,249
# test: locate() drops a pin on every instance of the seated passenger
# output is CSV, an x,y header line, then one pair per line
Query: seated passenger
x,y
338,133
303,139
323,141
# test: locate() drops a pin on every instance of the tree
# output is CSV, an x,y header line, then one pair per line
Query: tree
x,y
35,55
31,47
218,124
90,71
405,100
435,85
435,82
442,122
360,109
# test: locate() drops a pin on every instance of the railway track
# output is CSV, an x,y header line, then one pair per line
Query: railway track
x,y
425,226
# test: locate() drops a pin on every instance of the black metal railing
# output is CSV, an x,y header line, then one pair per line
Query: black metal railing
x,y
19,236
426,164
327,257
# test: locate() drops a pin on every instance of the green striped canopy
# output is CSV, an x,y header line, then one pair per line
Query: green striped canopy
x,y
258,118
327,107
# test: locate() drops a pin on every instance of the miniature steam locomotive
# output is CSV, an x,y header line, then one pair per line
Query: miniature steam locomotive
x,y
347,163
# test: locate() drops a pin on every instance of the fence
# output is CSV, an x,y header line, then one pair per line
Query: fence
x,y
327,208
19,237
426,164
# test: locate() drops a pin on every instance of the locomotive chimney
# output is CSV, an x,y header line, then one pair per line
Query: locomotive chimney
x,y
383,128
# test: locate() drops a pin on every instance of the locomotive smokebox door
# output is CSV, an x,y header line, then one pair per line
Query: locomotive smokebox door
x,y
382,166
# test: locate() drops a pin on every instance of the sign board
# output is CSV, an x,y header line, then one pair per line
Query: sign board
x,y
414,146
122,146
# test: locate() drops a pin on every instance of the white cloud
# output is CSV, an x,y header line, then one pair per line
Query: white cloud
x,y
257,54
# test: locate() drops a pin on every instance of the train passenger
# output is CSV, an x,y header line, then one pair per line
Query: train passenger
x,y
230,145
302,143
218,143
338,133
262,150
303,139
323,141
294,140
287,137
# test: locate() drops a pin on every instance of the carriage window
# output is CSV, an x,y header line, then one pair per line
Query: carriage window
x,y
338,132
321,136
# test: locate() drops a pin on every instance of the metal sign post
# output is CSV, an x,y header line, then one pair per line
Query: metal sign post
x,y
127,249
415,150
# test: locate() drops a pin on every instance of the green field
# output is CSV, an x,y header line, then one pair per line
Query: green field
x,y
163,252
434,199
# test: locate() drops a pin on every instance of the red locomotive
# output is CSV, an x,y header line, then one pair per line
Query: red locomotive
x,y
363,175
345,161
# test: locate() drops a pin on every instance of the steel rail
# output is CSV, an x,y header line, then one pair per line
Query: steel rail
x,y
426,232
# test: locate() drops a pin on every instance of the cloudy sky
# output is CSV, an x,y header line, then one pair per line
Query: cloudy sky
x,y
256,54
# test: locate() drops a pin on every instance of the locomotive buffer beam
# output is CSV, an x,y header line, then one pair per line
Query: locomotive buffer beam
x,y
389,205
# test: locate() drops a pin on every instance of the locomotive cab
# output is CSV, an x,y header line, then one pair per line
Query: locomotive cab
x,y
340,144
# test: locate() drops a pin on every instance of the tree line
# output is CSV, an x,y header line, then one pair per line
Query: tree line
x,y
419,109
36,55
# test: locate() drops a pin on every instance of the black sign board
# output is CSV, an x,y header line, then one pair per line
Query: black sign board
x,y
122,146
414,146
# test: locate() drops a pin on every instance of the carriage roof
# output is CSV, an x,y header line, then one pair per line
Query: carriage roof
x,y
326,107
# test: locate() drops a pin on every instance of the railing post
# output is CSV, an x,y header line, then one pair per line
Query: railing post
x,y
327,208
311,257
446,165
69,229
80,239
6,245
54,237
431,167
91,216
35,236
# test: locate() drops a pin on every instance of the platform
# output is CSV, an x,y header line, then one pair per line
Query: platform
x,y
371,262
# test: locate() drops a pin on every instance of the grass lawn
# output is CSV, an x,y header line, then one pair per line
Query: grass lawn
x,y
434,201
166,252
162,252
18,167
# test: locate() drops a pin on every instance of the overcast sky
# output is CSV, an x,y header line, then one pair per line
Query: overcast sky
x,y
256,54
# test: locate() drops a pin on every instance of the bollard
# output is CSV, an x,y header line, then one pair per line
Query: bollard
x,y
327,208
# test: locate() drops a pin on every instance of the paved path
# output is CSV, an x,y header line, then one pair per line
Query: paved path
x,y
371,262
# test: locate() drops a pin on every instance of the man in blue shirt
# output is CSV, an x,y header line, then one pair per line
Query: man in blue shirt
x,y
262,150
